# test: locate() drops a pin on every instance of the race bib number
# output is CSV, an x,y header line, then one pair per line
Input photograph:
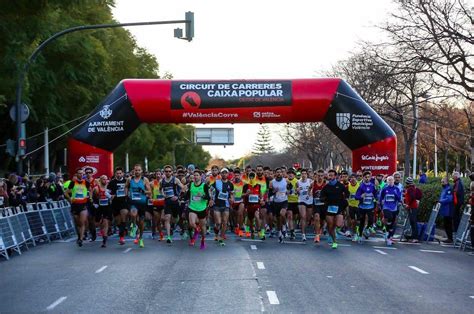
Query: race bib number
x,y
150,202
104,202
253,198
304,192
317,201
223,196
390,198
79,196
281,195
197,198
352,197
368,200
136,196
121,193
237,199
160,197
333,209
169,192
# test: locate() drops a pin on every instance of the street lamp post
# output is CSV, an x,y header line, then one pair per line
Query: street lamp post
x,y
20,149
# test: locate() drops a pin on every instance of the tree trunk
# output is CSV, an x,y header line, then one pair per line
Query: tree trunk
x,y
446,163
407,159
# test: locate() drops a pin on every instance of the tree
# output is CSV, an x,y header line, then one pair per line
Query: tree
x,y
264,139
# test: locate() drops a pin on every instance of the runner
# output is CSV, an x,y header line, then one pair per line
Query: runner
x,y
78,195
222,199
305,201
292,202
390,197
158,204
245,176
138,189
254,201
353,207
170,188
334,195
263,180
119,202
91,210
279,189
319,210
103,211
366,195
238,205
198,196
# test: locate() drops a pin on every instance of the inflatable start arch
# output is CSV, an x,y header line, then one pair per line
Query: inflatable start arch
x,y
330,100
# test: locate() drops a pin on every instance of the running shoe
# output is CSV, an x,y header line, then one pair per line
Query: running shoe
x,y
221,242
135,241
241,233
389,242
142,244
317,238
203,245
247,234
101,233
103,245
184,236
330,241
122,241
224,237
79,242
153,235
252,235
334,245
168,239
262,234
303,237
162,236
216,238
272,233
366,233
379,222
348,234
372,230
133,231
280,237
192,242
385,236
292,235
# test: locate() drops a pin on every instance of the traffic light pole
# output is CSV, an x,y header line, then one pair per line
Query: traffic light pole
x,y
21,134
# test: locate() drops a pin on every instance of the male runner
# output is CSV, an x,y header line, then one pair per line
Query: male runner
x,y
103,211
78,195
353,207
138,189
170,188
158,203
91,210
319,210
223,196
366,195
292,201
254,201
389,199
279,189
264,180
238,205
334,195
119,202
198,196
305,201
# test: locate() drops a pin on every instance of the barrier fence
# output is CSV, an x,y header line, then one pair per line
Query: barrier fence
x,y
23,226
462,237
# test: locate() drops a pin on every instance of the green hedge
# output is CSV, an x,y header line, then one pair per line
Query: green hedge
x,y
431,192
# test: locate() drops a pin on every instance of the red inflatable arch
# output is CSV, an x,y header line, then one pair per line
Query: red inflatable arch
x,y
333,101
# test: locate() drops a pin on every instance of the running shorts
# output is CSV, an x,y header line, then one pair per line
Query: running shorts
x,y
200,214
294,208
76,209
277,207
103,212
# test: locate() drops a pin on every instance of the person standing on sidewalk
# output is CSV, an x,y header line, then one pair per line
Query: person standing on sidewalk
x,y
413,196
458,199
447,208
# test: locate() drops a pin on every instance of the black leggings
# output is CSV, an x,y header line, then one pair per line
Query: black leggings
x,y
412,216
361,217
448,226
391,221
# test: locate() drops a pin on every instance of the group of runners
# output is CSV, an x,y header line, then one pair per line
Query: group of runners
x,y
256,202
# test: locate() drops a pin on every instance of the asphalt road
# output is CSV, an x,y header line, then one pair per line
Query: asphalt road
x,y
244,276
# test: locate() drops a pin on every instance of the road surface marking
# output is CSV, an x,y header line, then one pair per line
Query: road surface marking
x,y
329,276
293,242
127,250
432,251
381,252
409,243
253,247
101,269
272,297
384,247
471,296
421,271
260,265
340,244
56,303
251,240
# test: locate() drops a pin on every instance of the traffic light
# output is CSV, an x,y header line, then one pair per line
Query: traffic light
x,y
189,25
22,147
11,147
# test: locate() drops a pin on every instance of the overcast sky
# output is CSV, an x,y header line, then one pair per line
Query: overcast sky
x,y
253,39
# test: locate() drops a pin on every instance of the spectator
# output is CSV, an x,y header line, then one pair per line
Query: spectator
x,y
423,178
458,199
55,191
42,189
413,196
472,204
3,194
447,208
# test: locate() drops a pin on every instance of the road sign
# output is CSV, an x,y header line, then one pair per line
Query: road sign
x,y
25,113
214,136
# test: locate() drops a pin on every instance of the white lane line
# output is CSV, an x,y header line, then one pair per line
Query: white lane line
x,y
56,303
293,242
432,251
421,271
384,247
253,247
329,276
272,297
127,250
101,269
251,240
260,265
341,244
381,252
471,296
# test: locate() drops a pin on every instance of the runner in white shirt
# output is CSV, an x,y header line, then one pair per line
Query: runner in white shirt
x,y
305,201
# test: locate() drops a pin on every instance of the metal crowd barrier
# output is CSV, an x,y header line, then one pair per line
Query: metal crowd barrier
x,y
431,223
23,226
462,234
